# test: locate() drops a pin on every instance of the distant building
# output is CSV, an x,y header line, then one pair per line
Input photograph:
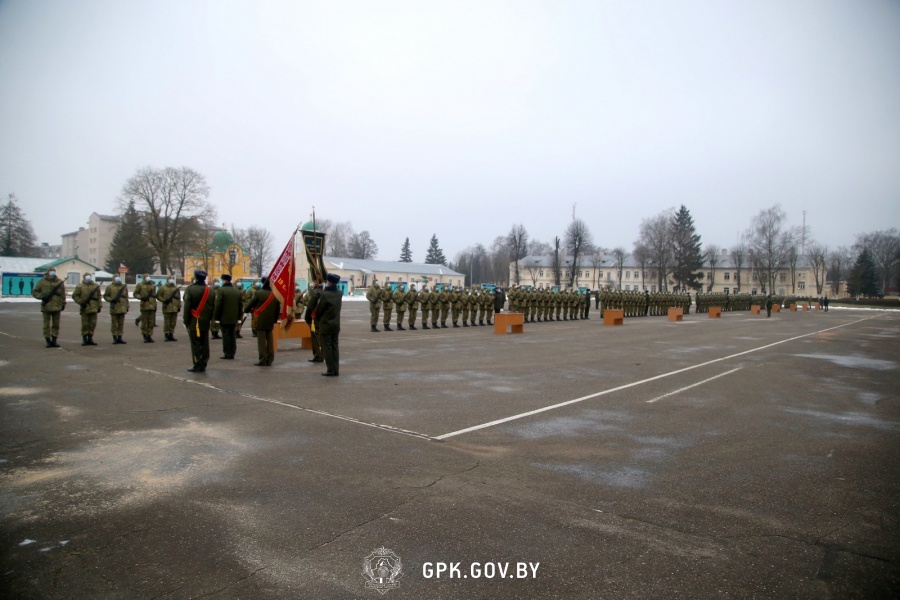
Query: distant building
x,y
70,268
91,243
603,272
222,256
45,250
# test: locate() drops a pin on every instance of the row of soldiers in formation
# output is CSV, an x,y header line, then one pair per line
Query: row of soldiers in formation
x,y
438,303
152,296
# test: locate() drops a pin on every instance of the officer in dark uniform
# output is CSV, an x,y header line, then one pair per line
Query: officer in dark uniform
x,y
314,294
228,312
197,315
328,323
266,308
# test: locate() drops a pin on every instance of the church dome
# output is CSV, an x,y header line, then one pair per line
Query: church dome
x,y
309,226
221,240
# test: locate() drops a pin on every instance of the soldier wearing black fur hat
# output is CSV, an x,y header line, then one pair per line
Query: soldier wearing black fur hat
x,y
328,323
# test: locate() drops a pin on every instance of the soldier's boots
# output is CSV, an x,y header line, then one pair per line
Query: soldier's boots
x,y
237,334
465,324
443,326
434,325
88,340
400,327
490,322
387,327
120,340
49,343
374,330
455,324
215,335
84,340
481,322
412,327
425,326
53,343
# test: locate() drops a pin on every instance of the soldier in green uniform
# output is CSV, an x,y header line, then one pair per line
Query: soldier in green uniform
x,y
373,295
87,296
267,309
227,311
51,291
196,316
455,305
214,326
399,299
328,322
586,299
412,303
169,295
299,301
387,301
465,300
474,301
444,299
435,297
146,292
309,316
425,300
488,308
116,294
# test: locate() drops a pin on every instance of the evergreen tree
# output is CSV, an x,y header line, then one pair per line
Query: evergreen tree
x,y
18,237
863,280
130,246
405,252
435,255
688,255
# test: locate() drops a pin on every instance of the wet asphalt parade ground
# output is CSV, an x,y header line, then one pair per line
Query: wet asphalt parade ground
x,y
740,457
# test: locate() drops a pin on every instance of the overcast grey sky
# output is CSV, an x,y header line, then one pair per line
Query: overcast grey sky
x,y
460,118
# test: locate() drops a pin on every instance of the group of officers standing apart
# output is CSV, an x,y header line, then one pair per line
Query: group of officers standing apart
x,y
438,303
203,308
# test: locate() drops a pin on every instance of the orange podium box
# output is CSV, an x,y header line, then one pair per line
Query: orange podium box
x,y
776,308
793,308
676,314
613,317
754,309
295,329
715,312
514,320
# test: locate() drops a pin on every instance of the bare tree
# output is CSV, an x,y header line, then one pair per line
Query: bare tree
x,y
713,257
793,259
538,248
738,254
363,246
656,236
620,255
259,243
169,199
596,263
518,247
838,263
578,240
816,259
642,256
770,242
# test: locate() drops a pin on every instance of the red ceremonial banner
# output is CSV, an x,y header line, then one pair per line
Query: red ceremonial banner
x,y
281,279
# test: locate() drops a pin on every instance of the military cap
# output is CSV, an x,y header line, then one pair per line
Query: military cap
x,y
226,277
333,278
199,274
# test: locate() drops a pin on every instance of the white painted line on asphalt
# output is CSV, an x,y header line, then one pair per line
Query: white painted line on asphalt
x,y
642,381
687,387
323,413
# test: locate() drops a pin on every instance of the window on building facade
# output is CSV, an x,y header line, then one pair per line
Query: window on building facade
x,y
801,285
540,273
726,290
627,287
653,288
727,276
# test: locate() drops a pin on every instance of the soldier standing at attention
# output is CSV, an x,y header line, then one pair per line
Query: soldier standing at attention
x,y
116,294
425,299
489,308
227,311
266,308
214,326
465,300
769,305
51,291
87,296
499,299
299,301
328,321
412,302
399,299
435,299
309,317
387,296
587,304
170,296
445,305
455,299
373,295
237,328
196,316
146,292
